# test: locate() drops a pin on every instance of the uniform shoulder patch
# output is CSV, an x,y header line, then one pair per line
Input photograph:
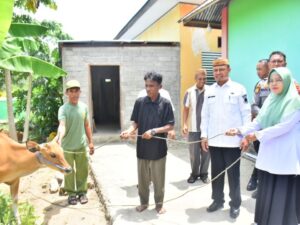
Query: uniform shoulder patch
x,y
257,88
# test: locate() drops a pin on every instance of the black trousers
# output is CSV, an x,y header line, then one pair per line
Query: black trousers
x,y
256,148
298,198
221,158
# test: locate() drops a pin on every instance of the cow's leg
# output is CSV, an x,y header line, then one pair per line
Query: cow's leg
x,y
14,190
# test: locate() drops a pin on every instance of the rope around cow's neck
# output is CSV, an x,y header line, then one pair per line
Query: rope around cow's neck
x,y
42,160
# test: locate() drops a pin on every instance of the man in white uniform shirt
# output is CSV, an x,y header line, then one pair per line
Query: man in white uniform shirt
x,y
225,106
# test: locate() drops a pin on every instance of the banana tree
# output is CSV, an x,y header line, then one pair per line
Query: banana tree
x,y
12,58
6,11
34,67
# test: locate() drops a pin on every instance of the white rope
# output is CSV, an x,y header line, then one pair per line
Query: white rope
x,y
183,194
168,200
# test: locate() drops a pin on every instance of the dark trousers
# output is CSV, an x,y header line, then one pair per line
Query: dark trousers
x,y
199,159
255,171
277,200
298,197
221,158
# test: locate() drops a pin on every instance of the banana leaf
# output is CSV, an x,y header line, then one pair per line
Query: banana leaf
x,y
26,30
27,44
35,66
18,46
8,50
6,11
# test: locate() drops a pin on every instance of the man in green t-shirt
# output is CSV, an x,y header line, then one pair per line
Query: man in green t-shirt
x,y
73,132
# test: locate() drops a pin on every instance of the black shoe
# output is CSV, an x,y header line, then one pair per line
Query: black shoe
x,y
205,180
254,194
72,200
214,207
234,212
252,184
192,179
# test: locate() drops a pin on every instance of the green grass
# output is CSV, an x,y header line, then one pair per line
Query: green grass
x,y
27,213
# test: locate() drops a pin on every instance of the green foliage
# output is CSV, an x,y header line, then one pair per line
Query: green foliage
x,y
33,65
25,30
6,213
8,49
47,92
5,17
55,30
32,5
46,99
27,213
24,19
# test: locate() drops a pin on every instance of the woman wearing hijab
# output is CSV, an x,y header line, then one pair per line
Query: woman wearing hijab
x,y
277,127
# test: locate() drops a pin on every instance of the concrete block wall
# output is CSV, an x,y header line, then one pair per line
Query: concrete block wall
x,y
134,62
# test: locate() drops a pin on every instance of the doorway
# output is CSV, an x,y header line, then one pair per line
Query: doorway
x,y
106,98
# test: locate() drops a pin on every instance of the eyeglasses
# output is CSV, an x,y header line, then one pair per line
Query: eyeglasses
x,y
215,70
277,61
275,81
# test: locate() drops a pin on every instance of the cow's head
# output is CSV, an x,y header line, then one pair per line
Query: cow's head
x,y
50,154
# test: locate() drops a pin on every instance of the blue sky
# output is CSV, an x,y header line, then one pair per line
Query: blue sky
x,y
92,19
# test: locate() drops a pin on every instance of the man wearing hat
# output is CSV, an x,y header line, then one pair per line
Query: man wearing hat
x,y
73,133
225,106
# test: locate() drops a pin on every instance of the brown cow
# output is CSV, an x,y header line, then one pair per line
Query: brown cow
x,y
17,160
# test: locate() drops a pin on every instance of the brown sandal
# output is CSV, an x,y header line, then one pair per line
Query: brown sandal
x,y
83,199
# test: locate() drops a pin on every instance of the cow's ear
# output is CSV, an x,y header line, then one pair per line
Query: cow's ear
x,y
32,146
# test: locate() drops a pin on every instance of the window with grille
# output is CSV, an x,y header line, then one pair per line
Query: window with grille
x,y
207,59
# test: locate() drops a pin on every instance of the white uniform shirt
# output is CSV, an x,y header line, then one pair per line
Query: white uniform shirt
x,y
224,107
190,101
163,93
279,150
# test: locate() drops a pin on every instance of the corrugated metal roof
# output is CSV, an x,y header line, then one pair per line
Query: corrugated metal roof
x,y
208,12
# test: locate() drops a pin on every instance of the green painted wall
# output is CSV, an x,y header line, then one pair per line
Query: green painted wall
x,y
3,109
258,27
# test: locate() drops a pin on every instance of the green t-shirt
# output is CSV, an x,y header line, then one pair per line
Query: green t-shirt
x,y
74,117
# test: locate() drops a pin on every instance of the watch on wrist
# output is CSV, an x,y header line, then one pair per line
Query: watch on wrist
x,y
153,132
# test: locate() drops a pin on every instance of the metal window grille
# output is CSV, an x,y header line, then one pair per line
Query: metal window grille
x,y
207,59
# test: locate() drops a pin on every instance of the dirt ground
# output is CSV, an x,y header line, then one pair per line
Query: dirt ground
x,y
53,209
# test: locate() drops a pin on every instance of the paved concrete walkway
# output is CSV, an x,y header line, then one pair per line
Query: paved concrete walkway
x,y
114,167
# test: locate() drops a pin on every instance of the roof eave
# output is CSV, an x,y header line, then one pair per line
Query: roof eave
x,y
136,17
207,13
